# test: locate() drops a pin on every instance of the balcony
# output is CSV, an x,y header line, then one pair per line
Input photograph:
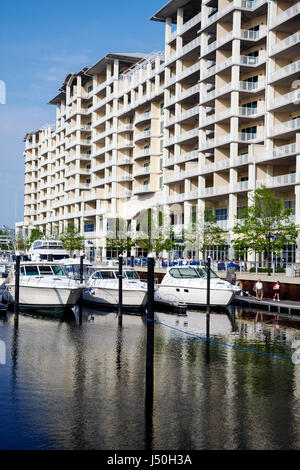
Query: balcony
x,y
251,112
277,152
181,96
287,100
287,127
142,189
142,135
192,134
287,43
125,144
211,95
141,171
216,68
217,44
287,73
211,143
182,158
125,128
182,116
251,137
141,154
249,35
184,74
187,48
286,15
279,181
142,117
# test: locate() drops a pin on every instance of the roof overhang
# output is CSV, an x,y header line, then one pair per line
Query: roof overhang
x,y
170,10
127,58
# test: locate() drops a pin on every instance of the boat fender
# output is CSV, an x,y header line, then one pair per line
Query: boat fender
x,y
91,291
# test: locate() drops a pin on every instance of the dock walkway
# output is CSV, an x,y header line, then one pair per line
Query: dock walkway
x,y
284,306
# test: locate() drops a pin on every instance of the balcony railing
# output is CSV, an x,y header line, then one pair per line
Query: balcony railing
x,y
285,43
288,98
286,15
278,181
292,125
284,72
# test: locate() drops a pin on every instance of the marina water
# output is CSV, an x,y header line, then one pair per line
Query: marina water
x,y
66,386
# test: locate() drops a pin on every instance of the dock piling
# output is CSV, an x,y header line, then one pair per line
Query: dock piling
x,y
81,282
208,286
150,351
17,288
120,276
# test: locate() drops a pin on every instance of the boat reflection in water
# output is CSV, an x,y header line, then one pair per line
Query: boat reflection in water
x,y
67,386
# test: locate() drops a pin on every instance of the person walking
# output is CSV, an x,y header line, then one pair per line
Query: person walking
x,y
258,288
276,289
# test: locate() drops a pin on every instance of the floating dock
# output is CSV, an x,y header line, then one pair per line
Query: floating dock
x,y
283,307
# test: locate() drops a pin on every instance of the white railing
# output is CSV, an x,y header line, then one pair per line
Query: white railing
x,y
141,189
192,22
277,181
246,112
142,117
142,171
141,154
283,72
184,94
291,97
285,43
216,117
250,35
250,86
125,127
125,143
250,136
181,116
175,198
286,15
182,158
185,73
284,150
214,190
211,167
216,16
215,93
216,44
222,140
217,68
249,60
187,48
293,124
124,161
142,135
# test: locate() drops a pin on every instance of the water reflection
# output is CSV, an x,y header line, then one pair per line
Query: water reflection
x,y
68,386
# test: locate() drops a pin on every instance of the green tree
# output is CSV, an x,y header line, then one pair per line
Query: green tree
x,y
265,225
202,236
72,240
120,244
35,234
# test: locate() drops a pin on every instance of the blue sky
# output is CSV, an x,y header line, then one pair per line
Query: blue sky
x,y
40,42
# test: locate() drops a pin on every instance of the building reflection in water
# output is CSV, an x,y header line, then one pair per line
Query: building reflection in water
x,y
83,387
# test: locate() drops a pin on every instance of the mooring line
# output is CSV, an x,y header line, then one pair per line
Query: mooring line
x,y
220,342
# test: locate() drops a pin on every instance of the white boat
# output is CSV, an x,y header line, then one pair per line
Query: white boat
x,y
71,267
47,250
103,288
188,285
44,284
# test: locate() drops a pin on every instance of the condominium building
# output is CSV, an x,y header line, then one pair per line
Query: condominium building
x,y
200,125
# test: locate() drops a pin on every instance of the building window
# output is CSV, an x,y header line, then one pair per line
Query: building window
x,y
290,205
161,109
240,211
161,164
244,178
160,182
221,214
161,146
89,227
162,127
90,88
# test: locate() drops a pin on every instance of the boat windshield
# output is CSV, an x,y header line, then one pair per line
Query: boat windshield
x,y
104,275
191,273
130,275
42,270
203,272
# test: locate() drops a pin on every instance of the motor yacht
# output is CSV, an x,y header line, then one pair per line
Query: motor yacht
x,y
44,284
103,288
50,250
188,285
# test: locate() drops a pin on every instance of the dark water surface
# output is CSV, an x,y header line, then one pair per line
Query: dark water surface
x,y
66,386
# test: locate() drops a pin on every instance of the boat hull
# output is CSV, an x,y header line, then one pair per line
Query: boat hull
x,y
46,296
110,297
194,296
